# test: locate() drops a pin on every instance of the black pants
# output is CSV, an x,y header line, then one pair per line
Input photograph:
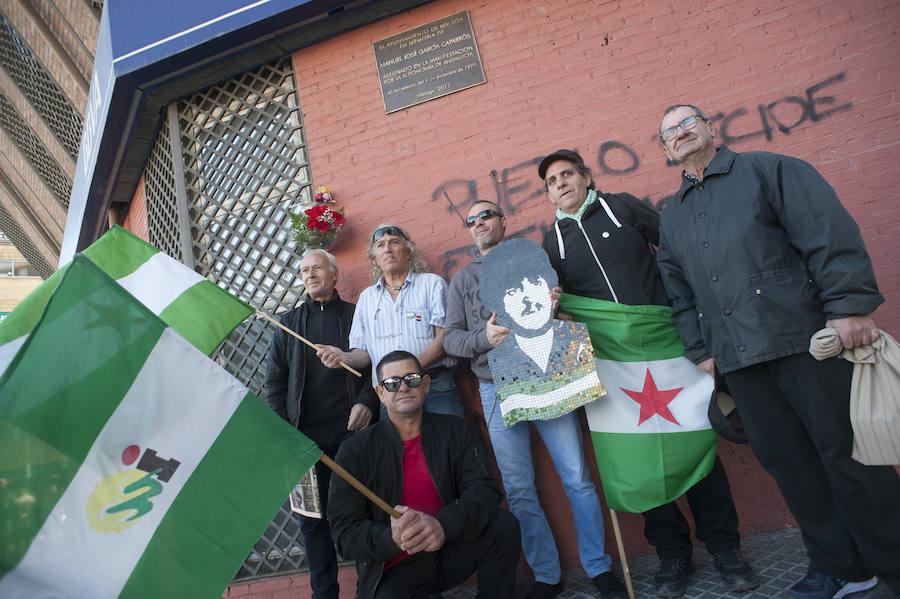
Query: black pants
x,y
796,413
715,518
320,553
494,556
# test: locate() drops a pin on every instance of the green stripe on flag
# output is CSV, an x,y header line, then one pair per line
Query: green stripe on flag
x,y
27,314
53,403
629,333
237,487
119,253
205,315
99,382
205,334
640,472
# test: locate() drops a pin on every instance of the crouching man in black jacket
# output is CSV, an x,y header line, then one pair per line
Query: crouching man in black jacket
x,y
433,469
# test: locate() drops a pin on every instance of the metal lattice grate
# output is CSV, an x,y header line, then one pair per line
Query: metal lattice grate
x,y
23,243
279,550
38,86
30,145
244,164
245,167
159,188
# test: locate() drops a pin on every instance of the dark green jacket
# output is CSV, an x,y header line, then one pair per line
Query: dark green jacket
x,y
756,258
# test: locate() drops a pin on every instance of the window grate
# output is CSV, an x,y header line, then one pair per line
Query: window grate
x,y
159,188
23,243
38,86
33,149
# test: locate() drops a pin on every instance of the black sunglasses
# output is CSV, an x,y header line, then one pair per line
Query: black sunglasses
x,y
486,214
412,379
390,230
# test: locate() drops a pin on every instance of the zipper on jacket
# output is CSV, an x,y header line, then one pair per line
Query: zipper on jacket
x,y
597,260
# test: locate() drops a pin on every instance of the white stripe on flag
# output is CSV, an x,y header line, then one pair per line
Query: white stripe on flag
x,y
159,281
161,412
556,396
619,413
9,350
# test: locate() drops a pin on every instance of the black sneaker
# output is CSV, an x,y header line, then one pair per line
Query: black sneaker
x,y
671,579
816,585
542,590
736,573
609,586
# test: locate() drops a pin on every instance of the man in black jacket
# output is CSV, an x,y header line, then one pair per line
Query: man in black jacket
x,y
326,405
602,247
757,254
433,469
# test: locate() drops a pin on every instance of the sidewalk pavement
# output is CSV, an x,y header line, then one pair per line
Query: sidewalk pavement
x,y
778,558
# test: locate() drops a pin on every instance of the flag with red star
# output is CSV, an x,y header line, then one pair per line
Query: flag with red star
x,y
651,434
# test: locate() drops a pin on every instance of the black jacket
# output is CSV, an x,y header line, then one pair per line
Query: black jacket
x,y
622,246
286,369
457,462
757,257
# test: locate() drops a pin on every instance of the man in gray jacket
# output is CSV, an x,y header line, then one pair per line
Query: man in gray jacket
x,y
470,332
757,253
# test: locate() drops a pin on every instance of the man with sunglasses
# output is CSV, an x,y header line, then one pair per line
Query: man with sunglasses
x,y
601,246
327,405
403,309
758,254
433,469
472,332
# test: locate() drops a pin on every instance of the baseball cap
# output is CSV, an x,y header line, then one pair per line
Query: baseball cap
x,y
570,155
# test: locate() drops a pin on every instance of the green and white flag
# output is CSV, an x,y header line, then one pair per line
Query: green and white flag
x,y
195,307
651,434
132,464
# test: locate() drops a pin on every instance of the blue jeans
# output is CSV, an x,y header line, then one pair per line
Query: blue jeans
x,y
442,398
512,448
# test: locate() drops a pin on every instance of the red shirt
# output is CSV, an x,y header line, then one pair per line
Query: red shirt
x,y
419,492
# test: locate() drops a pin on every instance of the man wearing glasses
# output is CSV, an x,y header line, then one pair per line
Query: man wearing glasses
x,y
601,246
471,332
758,254
433,469
404,309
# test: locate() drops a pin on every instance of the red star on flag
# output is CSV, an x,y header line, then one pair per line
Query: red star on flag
x,y
653,401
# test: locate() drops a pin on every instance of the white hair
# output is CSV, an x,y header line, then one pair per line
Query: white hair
x,y
313,251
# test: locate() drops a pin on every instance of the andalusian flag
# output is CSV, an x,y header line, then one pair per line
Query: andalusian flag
x,y
651,433
131,464
195,307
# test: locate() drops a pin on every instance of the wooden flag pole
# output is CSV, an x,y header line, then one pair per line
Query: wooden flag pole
x,y
626,573
300,337
361,487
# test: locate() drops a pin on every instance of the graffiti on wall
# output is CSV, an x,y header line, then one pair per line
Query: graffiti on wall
x,y
516,186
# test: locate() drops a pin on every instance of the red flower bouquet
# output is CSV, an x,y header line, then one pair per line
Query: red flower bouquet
x,y
318,226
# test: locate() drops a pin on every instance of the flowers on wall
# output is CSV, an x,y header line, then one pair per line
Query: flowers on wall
x,y
319,225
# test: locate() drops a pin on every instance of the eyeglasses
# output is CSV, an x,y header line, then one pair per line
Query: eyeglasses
x,y
483,215
412,380
389,230
686,124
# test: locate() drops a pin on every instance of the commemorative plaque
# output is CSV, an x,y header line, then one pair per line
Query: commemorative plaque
x,y
428,62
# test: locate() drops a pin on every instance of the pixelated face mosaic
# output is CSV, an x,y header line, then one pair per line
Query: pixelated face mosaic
x,y
545,367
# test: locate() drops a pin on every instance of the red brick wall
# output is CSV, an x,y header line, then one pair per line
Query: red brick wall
x,y
816,79
136,219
